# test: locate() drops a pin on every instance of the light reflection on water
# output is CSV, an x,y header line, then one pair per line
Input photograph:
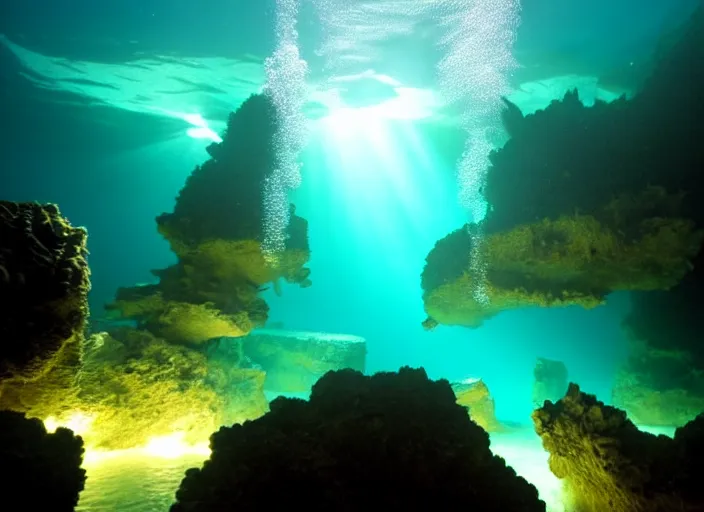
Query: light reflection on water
x,y
143,483
134,483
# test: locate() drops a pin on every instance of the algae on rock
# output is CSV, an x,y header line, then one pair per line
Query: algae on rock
x,y
295,360
475,396
585,201
44,284
133,387
571,260
216,232
606,463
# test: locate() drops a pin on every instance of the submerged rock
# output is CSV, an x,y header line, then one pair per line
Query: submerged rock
x,y
216,230
475,396
178,322
132,387
41,470
585,201
570,260
662,381
390,441
295,360
44,284
55,392
606,463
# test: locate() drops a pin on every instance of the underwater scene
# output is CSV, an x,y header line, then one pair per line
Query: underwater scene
x,y
352,255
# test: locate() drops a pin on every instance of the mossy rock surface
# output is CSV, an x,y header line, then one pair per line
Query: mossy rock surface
x,y
131,387
475,396
632,166
44,285
216,230
571,260
243,261
182,322
606,463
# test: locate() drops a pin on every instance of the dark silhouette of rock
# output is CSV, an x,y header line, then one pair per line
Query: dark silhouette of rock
x,y
395,441
41,471
44,284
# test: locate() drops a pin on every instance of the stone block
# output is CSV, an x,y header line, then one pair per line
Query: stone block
x,y
295,360
474,395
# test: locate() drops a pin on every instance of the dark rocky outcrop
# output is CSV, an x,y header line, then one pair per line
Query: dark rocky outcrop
x,y
393,440
586,200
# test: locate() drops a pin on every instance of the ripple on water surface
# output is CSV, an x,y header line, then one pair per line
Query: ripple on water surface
x,y
134,483
143,483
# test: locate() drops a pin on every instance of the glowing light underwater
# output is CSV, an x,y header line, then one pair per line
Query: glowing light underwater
x,y
473,74
169,446
476,45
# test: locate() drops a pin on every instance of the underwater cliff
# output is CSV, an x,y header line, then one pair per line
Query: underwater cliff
x,y
584,201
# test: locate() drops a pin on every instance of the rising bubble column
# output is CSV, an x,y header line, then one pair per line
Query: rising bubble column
x,y
477,48
286,86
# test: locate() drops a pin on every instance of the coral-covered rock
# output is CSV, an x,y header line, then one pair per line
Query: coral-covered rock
x,y
550,381
585,200
179,322
606,463
54,392
132,387
41,470
44,283
216,230
394,440
294,361
633,243
475,396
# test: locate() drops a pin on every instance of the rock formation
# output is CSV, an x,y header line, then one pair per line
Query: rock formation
x,y
294,361
475,396
395,440
216,231
662,383
585,200
606,463
41,470
181,367
44,284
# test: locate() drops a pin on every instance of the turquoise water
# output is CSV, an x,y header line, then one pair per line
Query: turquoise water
x,y
134,484
147,484
144,483
107,111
